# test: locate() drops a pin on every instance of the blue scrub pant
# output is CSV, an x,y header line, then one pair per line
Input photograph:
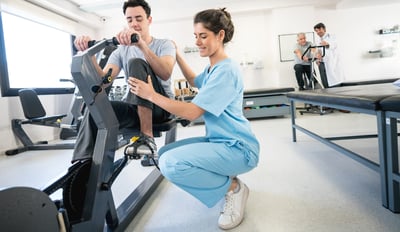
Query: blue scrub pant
x,y
203,168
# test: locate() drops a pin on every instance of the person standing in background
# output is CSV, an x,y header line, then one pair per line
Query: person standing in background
x,y
329,66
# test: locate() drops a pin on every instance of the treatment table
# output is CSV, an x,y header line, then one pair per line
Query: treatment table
x,y
364,99
391,107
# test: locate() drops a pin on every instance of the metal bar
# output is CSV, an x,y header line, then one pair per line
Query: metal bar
x,y
353,137
293,120
370,164
380,122
381,168
135,201
393,162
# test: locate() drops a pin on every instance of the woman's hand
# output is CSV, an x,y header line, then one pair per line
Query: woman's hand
x,y
141,88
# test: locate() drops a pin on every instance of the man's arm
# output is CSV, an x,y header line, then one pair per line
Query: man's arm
x,y
329,42
298,53
82,43
162,66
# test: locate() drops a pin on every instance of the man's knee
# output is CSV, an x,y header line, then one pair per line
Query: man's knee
x,y
138,68
298,67
137,62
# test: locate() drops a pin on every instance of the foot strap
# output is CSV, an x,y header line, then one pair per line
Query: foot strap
x,y
135,149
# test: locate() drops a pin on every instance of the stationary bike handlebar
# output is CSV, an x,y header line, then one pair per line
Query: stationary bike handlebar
x,y
114,41
311,47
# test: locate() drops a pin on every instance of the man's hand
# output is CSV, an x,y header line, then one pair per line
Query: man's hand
x,y
124,37
305,58
82,43
324,43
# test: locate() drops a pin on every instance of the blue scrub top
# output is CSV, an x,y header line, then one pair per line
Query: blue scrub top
x,y
221,96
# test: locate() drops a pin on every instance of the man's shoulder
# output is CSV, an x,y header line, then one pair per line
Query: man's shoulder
x,y
307,44
162,41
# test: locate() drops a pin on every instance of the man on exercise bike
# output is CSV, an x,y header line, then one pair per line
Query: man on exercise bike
x,y
146,57
302,63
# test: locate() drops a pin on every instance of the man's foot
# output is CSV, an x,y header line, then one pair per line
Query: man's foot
x,y
142,145
235,203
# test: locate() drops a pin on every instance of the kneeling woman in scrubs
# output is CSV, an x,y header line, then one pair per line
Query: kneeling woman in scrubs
x,y
207,167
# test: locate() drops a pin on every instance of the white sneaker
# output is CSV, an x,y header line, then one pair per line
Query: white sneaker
x,y
233,211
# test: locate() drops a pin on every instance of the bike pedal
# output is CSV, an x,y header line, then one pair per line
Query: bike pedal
x,y
147,162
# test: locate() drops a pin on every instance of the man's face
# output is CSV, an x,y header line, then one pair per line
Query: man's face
x,y
320,31
301,40
137,19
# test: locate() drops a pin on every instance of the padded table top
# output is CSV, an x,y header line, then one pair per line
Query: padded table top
x,y
359,96
391,103
369,82
267,91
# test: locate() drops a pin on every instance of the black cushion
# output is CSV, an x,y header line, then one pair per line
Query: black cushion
x,y
33,108
31,104
359,96
369,82
391,103
267,91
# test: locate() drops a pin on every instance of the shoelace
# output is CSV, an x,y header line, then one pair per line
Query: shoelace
x,y
228,206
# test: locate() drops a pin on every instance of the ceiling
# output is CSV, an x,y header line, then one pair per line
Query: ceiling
x,y
169,9
178,9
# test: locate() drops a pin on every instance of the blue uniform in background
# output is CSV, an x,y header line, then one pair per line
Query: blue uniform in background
x,y
202,166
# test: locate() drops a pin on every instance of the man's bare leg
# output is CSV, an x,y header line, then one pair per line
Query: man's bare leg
x,y
146,120
144,145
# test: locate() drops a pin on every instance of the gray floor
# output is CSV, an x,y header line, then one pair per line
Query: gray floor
x,y
302,186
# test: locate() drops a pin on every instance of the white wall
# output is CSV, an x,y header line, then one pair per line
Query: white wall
x,y
255,40
356,30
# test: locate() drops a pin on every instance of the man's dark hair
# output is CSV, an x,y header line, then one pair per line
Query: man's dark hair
x,y
135,3
319,26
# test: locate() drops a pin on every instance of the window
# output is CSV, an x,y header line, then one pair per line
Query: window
x,y
34,55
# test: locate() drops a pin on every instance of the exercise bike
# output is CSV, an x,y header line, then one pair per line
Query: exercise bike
x,y
314,81
87,202
77,106
75,115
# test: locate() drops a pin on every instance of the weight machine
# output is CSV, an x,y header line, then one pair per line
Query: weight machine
x,y
315,78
